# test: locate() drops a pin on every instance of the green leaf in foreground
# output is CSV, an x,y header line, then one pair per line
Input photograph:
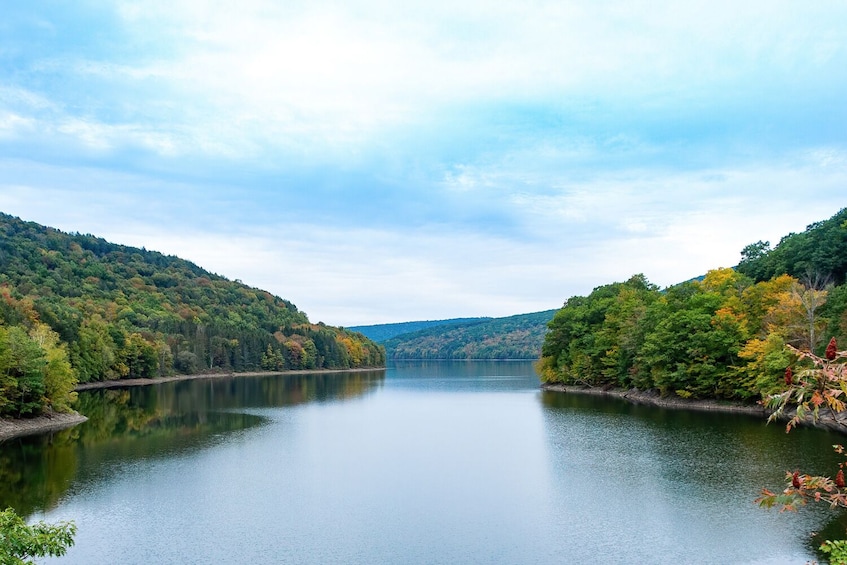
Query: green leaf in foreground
x,y
20,542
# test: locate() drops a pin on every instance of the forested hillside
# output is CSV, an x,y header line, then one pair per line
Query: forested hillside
x,y
77,308
514,337
384,332
720,337
818,253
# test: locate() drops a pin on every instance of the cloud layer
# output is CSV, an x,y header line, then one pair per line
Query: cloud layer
x,y
375,161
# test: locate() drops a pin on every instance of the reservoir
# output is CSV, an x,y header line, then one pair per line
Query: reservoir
x,y
426,462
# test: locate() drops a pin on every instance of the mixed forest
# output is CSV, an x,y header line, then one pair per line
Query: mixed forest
x,y
381,333
723,336
75,308
512,337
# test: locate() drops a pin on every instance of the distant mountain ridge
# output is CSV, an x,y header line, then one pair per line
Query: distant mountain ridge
x,y
383,332
511,337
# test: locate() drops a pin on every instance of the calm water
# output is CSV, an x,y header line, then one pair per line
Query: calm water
x,y
424,463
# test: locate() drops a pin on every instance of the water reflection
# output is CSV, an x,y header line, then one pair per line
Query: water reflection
x,y
680,436
433,462
684,475
462,376
151,422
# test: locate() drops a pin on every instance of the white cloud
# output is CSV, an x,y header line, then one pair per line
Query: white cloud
x,y
13,125
521,153
306,78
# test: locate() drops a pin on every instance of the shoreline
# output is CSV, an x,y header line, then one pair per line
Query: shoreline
x,y
10,429
653,398
14,428
826,421
121,383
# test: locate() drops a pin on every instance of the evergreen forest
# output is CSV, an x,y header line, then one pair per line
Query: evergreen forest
x,y
722,336
75,308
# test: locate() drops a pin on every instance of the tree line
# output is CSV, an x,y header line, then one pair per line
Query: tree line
x,y
512,337
723,336
76,308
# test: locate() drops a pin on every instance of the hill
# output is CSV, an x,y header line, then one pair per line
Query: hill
x,y
110,311
384,332
513,337
725,335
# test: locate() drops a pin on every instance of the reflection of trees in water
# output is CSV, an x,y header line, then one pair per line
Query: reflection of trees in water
x,y
718,453
266,391
36,471
834,529
157,421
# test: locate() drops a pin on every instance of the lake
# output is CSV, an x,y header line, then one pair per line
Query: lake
x,y
430,462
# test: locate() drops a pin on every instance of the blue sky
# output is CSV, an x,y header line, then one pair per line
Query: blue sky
x,y
389,161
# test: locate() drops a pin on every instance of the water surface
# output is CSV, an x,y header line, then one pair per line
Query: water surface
x,y
458,462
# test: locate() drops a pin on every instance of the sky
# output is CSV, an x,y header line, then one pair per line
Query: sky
x,y
381,161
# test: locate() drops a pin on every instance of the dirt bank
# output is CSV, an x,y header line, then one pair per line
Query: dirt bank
x,y
144,382
46,423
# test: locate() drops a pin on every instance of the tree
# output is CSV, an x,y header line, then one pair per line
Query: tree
x,y
59,377
19,542
812,296
21,373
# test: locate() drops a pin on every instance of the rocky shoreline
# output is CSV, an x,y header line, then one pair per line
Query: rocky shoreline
x,y
827,420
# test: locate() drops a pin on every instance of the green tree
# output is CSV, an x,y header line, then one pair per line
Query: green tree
x,y
59,377
694,338
821,249
595,340
21,373
140,357
93,353
20,542
272,360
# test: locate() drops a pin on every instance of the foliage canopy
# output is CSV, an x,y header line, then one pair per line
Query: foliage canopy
x,y
76,308
724,336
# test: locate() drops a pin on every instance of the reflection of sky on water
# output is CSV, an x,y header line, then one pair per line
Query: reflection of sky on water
x,y
414,466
